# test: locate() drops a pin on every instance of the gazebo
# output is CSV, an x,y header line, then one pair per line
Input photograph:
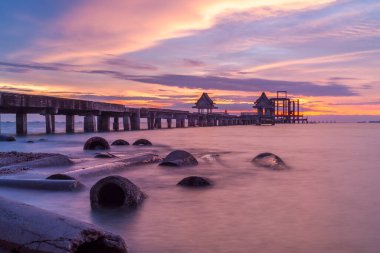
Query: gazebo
x,y
205,105
265,110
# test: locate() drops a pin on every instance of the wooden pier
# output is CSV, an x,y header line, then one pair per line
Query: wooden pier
x,y
98,116
103,117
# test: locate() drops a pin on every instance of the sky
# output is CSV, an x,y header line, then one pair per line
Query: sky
x,y
149,53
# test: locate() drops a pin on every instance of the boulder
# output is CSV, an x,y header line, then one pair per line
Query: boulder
x,y
115,192
7,138
25,228
142,142
96,143
269,160
120,142
179,158
194,181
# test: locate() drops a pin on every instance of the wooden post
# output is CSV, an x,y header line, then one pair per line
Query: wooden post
x,y
104,123
169,123
52,123
135,121
70,124
89,124
21,124
157,123
116,123
177,123
48,123
126,124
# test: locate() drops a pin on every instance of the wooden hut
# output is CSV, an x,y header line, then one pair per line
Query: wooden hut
x,y
265,110
205,105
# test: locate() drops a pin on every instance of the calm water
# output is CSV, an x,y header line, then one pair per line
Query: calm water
x,y
328,202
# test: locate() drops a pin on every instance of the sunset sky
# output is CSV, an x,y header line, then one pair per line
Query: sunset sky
x,y
165,53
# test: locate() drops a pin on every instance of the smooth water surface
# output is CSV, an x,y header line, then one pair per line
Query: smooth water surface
x,y
329,201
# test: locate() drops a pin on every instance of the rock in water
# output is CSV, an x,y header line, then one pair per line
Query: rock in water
x,y
179,158
25,228
7,138
104,155
269,160
194,181
115,192
142,142
120,142
96,143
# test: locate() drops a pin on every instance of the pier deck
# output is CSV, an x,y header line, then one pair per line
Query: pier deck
x,y
98,115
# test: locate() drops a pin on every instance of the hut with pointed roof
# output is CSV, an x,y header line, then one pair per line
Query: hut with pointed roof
x,y
265,110
205,104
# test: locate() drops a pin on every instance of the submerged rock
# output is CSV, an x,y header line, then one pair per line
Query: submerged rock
x,y
120,142
104,155
96,143
142,142
179,158
38,161
115,192
210,157
7,138
269,160
194,181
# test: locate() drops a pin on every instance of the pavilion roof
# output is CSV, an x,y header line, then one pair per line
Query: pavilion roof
x,y
205,102
263,102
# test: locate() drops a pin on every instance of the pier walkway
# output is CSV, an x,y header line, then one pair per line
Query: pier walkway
x,y
103,117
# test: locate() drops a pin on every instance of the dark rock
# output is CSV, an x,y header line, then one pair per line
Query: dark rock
x,y
96,143
30,142
60,177
179,158
142,142
269,160
7,138
194,181
104,155
115,192
120,142
25,228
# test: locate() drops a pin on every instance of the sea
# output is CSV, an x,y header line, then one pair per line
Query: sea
x,y
328,201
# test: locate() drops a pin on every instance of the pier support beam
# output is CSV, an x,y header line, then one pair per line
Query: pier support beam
x,y
177,123
169,123
135,121
157,123
126,124
89,124
52,123
116,123
150,122
48,123
182,123
21,124
104,123
70,124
